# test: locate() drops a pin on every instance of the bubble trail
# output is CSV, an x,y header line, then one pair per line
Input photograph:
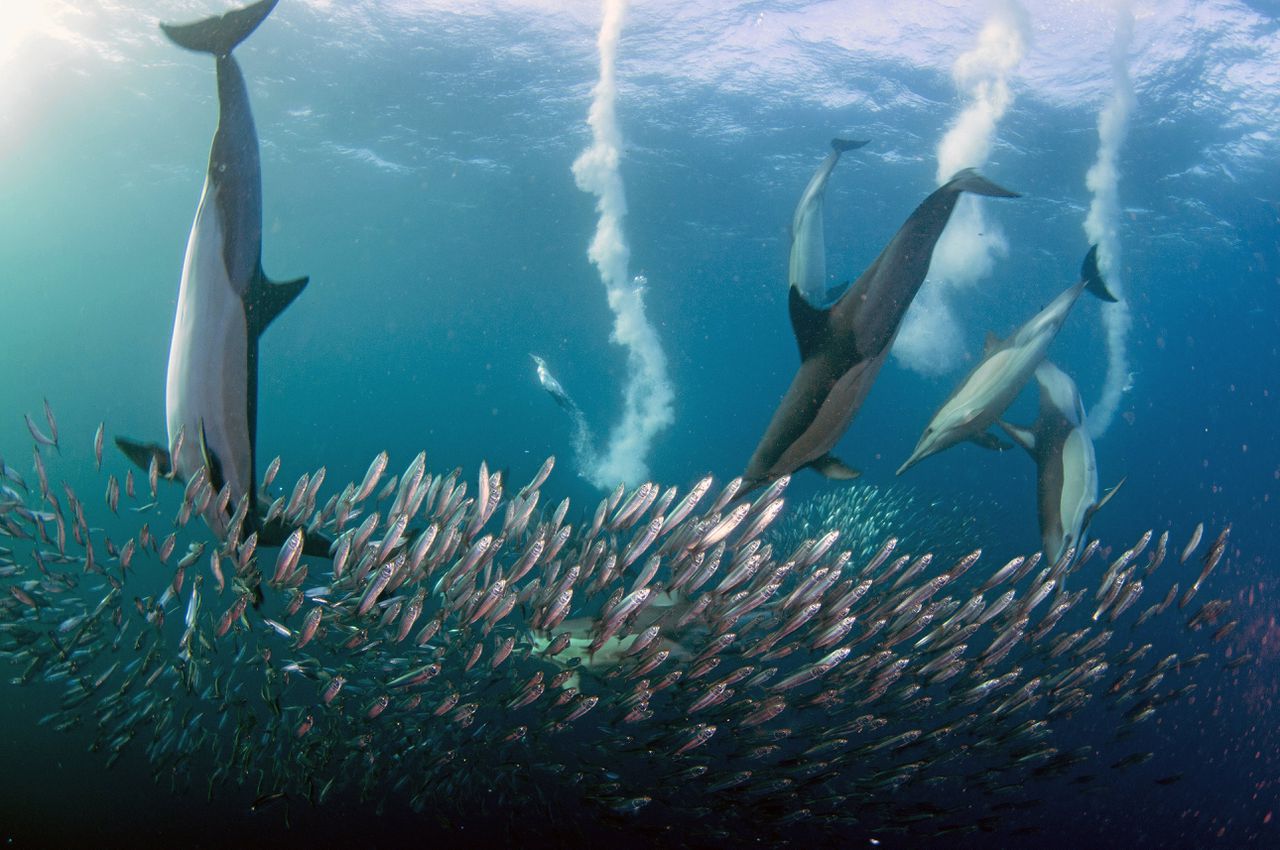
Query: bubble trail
x,y
930,341
648,394
1101,224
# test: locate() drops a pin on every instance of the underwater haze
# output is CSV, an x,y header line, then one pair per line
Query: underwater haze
x,y
465,189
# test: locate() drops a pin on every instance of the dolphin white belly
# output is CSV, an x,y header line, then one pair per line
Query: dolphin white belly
x,y
1079,484
996,381
208,368
833,416
994,384
808,263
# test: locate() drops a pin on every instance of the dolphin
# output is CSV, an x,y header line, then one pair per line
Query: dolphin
x,y
1006,366
225,301
808,270
842,347
1067,471
552,386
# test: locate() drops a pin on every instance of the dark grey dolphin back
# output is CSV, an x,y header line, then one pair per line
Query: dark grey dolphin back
x,y
874,306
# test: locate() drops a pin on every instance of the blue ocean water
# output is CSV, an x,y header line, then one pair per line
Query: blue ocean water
x,y
417,165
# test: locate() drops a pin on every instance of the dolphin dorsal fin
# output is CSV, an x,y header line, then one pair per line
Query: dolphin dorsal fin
x,y
808,323
990,344
268,299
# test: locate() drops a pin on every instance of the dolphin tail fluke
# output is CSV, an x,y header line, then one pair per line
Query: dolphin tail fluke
x,y
269,299
971,181
142,454
220,35
842,145
1093,278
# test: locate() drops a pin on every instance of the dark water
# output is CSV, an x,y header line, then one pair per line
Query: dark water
x,y
416,163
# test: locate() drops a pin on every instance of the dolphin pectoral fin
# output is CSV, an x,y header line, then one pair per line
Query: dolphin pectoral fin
x,y
1112,491
809,323
1093,509
220,34
211,462
1107,498
317,544
990,441
842,145
268,299
990,344
969,180
272,534
830,466
275,533
1024,437
1093,278
142,454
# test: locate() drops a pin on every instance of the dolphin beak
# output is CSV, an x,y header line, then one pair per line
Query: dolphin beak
x,y
918,455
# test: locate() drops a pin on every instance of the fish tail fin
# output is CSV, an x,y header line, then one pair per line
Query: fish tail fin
x,y
969,180
842,145
219,35
1093,278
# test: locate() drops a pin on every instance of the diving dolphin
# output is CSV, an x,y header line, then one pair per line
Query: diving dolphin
x,y
808,271
842,347
225,301
551,385
1067,471
1004,370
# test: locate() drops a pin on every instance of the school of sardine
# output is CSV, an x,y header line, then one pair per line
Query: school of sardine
x,y
867,514
657,653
